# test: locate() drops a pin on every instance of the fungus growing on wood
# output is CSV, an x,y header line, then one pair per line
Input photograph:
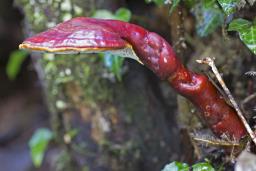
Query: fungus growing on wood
x,y
88,35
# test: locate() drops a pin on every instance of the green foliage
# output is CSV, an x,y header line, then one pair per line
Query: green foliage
x,y
157,2
247,32
202,167
122,14
103,14
38,144
208,17
177,166
190,3
228,6
239,25
14,64
112,62
175,3
209,4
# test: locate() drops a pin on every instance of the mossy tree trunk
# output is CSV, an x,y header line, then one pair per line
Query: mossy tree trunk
x,y
101,124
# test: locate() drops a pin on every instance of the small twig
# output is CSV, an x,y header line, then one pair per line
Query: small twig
x,y
249,98
219,89
209,61
246,100
224,142
197,150
216,142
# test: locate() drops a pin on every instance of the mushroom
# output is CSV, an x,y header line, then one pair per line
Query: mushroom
x,y
89,35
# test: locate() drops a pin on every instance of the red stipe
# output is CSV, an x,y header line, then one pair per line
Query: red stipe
x,y
88,34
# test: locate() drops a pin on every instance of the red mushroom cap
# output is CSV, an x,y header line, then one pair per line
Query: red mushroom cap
x,y
74,36
80,35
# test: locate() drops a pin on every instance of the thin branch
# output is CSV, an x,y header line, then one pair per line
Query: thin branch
x,y
247,100
214,141
209,61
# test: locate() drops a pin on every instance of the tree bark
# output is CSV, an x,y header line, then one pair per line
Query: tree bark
x,y
102,124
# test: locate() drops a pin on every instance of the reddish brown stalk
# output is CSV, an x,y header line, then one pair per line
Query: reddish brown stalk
x,y
94,35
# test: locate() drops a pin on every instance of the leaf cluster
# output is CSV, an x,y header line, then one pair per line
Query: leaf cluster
x,y
178,166
210,14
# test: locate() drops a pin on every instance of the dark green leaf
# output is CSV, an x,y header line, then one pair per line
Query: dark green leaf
x,y
247,32
209,4
239,25
14,64
123,14
228,6
38,144
103,14
208,18
175,3
176,166
190,3
114,64
202,167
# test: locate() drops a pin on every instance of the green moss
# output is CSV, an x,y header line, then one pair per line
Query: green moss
x,y
61,70
86,72
47,13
